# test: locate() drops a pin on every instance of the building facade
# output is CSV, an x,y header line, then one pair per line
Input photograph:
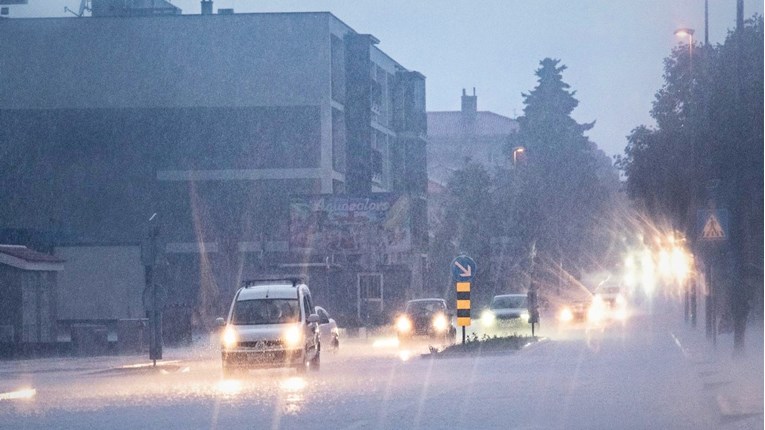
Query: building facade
x,y
28,309
454,137
216,123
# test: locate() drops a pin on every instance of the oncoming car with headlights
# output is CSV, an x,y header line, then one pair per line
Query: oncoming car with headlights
x,y
271,324
573,312
429,317
608,304
506,310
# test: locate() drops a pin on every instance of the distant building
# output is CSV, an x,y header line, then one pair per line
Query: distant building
x,y
454,138
467,134
28,291
227,126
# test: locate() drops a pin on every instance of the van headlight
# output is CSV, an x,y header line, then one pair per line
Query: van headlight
x,y
403,324
229,338
292,337
440,324
525,316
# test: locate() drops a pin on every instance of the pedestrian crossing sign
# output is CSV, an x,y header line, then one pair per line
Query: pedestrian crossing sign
x,y
712,225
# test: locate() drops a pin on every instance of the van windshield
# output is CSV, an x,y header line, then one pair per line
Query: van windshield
x,y
508,302
265,311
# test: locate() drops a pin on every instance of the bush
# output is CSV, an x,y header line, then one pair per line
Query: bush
x,y
473,344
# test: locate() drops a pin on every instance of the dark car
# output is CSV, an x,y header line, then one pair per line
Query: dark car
x,y
574,312
425,317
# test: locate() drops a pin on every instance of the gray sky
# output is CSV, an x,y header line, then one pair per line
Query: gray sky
x,y
613,48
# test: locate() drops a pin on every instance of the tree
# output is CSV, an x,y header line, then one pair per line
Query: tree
x,y
550,212
709,127
466,228
565,185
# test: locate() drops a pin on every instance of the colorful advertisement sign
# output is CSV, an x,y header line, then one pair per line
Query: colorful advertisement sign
x,y
378,223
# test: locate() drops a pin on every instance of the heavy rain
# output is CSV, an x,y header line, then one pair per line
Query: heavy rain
x,y
381,215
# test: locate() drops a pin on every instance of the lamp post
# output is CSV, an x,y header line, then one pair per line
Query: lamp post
x,y
690,290
687,32
516,151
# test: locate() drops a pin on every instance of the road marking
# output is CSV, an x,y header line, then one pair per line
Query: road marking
x,y
27,393
679,345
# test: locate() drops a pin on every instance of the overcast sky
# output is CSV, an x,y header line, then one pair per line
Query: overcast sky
x,y
613,48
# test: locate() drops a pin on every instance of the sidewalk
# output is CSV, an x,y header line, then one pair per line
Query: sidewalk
x,y
734,383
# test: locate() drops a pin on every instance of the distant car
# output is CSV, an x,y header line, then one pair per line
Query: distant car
x,y
328,333
425,317
608,303
573,312
506,310
271,323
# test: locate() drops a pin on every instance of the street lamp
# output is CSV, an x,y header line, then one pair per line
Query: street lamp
x,y
690,291
687,32
517,150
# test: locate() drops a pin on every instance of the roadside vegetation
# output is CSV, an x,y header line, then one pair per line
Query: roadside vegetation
x,y
484,344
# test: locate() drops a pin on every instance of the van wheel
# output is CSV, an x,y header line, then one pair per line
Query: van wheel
x,y
315,363
230,370
301,367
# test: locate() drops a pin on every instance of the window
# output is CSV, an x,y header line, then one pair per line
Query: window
x,y
338,69
266,311
308,305
323,316
370,294
338,140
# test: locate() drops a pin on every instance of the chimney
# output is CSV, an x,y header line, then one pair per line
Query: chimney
x,y
207,7
469,105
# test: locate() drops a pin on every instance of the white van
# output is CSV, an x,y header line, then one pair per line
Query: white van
x,y
271,323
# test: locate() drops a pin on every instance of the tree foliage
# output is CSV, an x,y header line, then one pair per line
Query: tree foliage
x,y
709,129
548,211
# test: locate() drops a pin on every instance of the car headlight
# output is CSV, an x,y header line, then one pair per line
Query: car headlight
x,y
292,337
566,315
488,319
440,323
229,337
596,313
403,324
525,316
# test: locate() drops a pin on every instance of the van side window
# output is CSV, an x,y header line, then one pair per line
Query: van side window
x,y
308,305
323,316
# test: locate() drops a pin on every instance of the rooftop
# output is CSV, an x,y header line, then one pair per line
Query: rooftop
x,y
21,257
454,123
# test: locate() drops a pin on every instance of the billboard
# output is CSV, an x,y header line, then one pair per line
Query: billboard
x,y
378,223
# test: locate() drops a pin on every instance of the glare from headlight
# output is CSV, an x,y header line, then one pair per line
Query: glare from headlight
x,y
525,316
439,323
566,315
229,337
596,313
292,336
403,324
488,319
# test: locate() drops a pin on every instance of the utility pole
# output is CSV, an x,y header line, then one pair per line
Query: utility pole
x,y
154,295
739,305
706,23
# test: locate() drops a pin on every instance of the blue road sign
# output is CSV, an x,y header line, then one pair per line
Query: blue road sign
x,y
463,268
712,224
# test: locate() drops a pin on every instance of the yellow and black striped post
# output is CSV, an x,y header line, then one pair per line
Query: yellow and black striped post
x,y
463,269
463,306
463,303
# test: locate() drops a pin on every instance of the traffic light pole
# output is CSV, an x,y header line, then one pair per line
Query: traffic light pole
x,y
155,310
